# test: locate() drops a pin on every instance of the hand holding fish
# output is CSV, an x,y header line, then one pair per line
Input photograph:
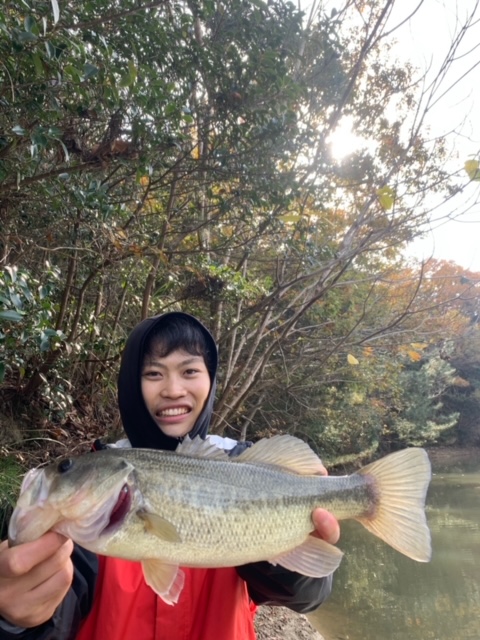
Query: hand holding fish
x,y
34,578
326,526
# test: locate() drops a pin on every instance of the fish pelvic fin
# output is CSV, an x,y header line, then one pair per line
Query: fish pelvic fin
x,y
166,580
284,451
401,482
314,557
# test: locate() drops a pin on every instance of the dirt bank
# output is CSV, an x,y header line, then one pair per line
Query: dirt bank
x,y
279,623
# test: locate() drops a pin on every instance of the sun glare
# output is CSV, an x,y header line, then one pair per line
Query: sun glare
x,y
343,141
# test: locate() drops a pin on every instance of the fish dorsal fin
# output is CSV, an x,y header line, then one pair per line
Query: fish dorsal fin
x,y
200,448
283,451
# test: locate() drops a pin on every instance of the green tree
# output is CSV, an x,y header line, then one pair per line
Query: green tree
x,y
162,156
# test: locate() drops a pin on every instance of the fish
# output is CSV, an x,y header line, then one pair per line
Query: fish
x,y
197,507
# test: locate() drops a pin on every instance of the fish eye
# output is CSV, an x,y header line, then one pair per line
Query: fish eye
x,y
65,465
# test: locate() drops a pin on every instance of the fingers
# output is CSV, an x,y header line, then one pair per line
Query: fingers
x,y
326,525
40,603
34,578
20,560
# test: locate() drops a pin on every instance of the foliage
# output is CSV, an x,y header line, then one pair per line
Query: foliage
x,y
10,474
27,330
159,156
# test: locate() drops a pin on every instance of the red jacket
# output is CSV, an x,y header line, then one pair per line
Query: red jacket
x,y
213,605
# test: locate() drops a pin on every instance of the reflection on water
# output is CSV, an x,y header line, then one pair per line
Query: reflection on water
x,y
381,595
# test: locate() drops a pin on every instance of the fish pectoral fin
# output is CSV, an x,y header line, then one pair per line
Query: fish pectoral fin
x,y
166,580
159,527
315,558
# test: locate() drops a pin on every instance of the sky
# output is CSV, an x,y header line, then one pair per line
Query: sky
x,y
424,39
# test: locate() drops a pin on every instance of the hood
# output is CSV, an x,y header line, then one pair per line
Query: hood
x,y
141,429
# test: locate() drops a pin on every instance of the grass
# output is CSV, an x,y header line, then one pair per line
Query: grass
x,y
11,473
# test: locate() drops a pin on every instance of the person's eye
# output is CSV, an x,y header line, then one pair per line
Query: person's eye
x,y
151,374
191,372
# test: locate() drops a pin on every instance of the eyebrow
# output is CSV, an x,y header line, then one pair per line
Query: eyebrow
x,y
183,363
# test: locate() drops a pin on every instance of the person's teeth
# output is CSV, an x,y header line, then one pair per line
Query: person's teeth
x,y
174,412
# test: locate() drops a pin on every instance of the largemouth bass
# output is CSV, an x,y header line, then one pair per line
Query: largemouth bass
x,y
196,507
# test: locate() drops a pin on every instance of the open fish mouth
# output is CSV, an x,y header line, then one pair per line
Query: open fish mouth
x,y
120,510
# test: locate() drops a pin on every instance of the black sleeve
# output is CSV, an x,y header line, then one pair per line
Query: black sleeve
x,y
273,585
66,620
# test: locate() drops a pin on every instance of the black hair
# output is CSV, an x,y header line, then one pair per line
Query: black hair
x,y
179,333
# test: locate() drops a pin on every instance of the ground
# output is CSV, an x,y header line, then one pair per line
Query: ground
x,y
279,623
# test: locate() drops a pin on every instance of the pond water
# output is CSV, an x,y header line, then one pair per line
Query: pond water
x,y
381,595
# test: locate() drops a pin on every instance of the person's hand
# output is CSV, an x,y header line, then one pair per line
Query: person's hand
x,y
34,579
326,526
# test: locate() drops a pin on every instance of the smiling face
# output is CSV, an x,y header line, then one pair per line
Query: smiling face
x,y
175,388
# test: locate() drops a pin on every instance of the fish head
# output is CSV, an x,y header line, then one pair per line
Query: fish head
x,y
83,498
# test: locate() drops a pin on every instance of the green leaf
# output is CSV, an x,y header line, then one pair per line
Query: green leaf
x,y
37,63
72,71
12,272
56,11
89,71
50,49
26,36
44,342
16,300
43,292
29,23
132,71
11,316
20,131
2,371
386,197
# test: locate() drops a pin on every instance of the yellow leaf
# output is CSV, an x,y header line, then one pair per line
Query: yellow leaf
x,y
144,181
290,217
351,359
472,167
414,355
386,197
419,346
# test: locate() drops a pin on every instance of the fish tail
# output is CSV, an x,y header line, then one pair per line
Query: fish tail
x,y
400,485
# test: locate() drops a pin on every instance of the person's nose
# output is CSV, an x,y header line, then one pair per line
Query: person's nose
x,y
173,387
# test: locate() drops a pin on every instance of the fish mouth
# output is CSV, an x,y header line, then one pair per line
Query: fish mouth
x,y
119,511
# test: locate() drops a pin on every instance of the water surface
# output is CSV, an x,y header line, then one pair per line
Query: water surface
x,y
381,595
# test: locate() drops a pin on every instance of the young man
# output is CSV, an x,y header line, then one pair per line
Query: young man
x,y
166,390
